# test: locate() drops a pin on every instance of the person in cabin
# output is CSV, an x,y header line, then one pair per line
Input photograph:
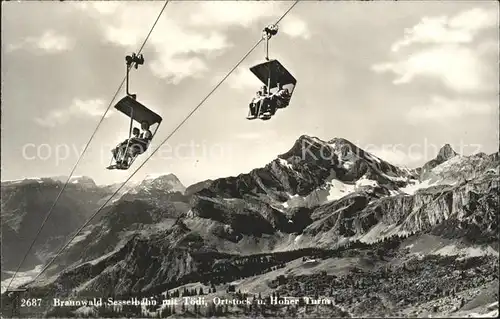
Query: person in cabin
x,y
138,144
253,104
146,135
120,148
257,100
265,101
281,97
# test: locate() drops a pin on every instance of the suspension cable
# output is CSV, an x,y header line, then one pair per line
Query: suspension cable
x,y
83,152
159,146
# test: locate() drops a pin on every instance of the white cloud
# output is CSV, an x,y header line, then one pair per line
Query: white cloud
x,y
185,58
247,13
450,55
78,108
295,27
459,68
180,51
432,30
459,29
49,42
475,19
444,109
177,69
188,35
229,13
240,79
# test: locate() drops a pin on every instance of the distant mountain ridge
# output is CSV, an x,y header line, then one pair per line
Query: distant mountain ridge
x,y
25,202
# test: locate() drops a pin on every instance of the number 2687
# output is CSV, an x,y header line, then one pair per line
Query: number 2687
x,y
31,302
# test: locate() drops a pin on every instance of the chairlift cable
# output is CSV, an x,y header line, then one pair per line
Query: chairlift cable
x,y
161,144
84,150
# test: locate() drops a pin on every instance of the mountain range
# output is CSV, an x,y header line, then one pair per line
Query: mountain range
x,y
325,220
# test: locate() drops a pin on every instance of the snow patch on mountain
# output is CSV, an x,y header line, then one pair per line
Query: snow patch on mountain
x,y
455,160
332,190
82,236
395,178
453,250
415,185
22,277
97,260
338,189
293,201
285,163
363,181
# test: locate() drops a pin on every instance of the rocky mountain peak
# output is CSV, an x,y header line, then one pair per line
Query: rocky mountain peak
x,y
311,148
167,182
164,177
340,141
84,180
445,153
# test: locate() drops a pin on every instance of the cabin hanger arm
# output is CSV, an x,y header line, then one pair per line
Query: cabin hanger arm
x,y
131,59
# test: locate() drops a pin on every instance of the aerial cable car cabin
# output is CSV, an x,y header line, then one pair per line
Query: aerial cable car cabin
x,y
275,77
126,152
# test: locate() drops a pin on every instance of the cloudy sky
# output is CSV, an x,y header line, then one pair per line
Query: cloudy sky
x,y
398,79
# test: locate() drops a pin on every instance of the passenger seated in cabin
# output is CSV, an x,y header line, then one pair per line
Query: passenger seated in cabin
x,y
265,102
120,148
281,97
253,104
139,145
259,100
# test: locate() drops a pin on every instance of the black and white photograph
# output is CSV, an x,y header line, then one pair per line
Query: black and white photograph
x,y
250,159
